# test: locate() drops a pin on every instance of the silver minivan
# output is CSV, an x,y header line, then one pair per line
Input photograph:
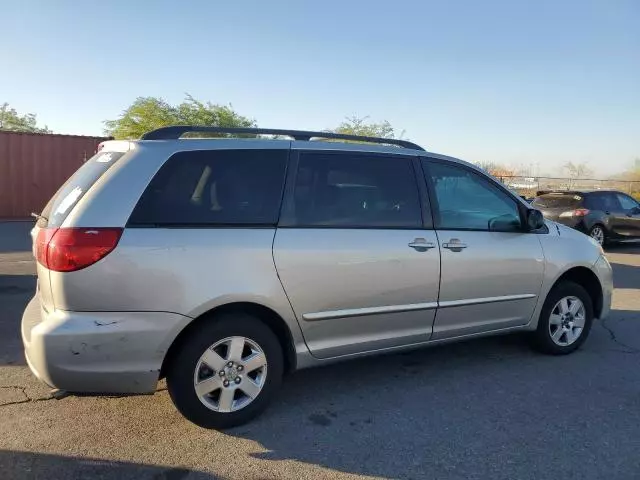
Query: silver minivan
x,y
221,264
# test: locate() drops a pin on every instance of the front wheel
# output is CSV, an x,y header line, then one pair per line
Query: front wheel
x,y
565,319
226,371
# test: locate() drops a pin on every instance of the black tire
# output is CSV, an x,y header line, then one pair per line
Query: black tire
x,y
605,235
542,340
180,373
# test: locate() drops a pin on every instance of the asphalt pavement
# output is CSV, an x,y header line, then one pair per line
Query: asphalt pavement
x,y
487,409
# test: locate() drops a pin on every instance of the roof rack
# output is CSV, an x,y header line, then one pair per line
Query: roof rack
x,y
176,131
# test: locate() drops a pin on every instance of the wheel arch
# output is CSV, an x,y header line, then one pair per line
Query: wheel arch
x,y
587,279
265,314
605,225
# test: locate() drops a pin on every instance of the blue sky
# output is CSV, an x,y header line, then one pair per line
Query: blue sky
x,y
507,81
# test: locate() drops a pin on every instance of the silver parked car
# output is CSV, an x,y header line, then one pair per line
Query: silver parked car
x,y
221,264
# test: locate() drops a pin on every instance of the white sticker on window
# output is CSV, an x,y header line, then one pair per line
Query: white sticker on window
x,y
104,158
69,200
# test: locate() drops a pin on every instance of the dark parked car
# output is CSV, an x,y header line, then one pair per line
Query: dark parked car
x,y
604,215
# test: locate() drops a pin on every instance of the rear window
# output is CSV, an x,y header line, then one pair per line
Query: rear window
x,y
214,188
68,195
553,200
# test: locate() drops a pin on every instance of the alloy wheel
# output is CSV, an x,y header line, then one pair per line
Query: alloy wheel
x,y
567,321
597,233
230,374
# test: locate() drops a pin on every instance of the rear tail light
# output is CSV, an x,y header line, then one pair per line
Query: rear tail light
x,y
578,212
71,249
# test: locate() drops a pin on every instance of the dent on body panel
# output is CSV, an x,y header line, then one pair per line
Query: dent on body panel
x,y
184,271
134,342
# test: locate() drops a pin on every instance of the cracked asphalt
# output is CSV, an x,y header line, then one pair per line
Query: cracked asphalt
x,y
490,408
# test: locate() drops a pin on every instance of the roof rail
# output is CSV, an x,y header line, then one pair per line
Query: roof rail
x,y
176,131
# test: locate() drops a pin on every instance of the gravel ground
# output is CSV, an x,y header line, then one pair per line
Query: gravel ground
x,y
489,408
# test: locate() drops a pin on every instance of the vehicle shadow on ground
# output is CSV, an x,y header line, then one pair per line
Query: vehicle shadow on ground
x,y
28,465
385,416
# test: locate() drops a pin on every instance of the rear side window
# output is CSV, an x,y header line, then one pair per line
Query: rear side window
x,y
68,195
214,188
606,202
352,190
558,200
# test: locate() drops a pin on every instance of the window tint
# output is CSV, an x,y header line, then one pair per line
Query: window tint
x,y
627,202
355,190
214,187
604,201
467,201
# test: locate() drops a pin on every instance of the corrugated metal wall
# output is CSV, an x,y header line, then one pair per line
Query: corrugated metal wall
x,y
33,166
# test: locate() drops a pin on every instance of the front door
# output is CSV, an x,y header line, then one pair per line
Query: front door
x,y
627,218
491,270
354,257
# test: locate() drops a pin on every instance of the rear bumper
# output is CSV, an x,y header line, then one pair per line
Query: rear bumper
x,y
98,352
605,274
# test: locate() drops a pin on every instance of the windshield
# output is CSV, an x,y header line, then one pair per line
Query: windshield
x,y
75,187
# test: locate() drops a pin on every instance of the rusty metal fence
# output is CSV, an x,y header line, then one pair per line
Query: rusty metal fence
x,y
33,166
528,186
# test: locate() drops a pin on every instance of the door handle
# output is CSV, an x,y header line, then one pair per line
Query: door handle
x,y
455,245
421,245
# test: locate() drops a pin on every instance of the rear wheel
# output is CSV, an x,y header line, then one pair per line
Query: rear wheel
x,y
226,371
599,234
565,320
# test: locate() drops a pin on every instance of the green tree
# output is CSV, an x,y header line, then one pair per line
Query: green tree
x,y
359,126
149,113
11,120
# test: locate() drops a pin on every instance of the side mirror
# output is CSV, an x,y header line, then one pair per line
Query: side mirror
x,y
505,223
535,220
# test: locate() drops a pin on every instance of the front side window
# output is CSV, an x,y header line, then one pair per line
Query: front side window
x,y
354,190
627,203
467,201
214,188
